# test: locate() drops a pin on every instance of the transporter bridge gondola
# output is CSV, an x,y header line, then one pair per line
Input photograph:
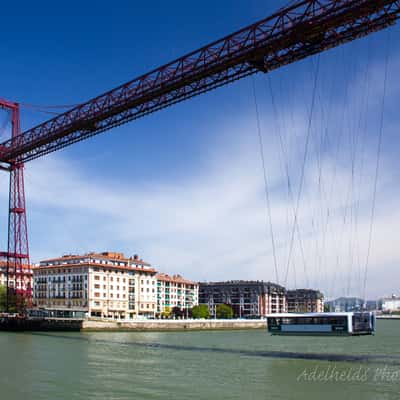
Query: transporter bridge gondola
x,y
329,324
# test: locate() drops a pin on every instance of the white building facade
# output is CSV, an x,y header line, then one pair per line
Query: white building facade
x,y
175,291
391,304
104,285
22,281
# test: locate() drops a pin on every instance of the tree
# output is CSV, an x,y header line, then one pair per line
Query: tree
x,y
224,311
166,313
200,311
16,302
302,309
177,312
3,296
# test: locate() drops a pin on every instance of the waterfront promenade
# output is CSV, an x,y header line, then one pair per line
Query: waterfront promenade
x,y
92,324
173,325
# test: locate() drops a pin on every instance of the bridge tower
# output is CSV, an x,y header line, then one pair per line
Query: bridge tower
x,y
16,258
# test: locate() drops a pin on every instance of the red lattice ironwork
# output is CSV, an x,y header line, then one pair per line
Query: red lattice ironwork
x,y
293,33
17,268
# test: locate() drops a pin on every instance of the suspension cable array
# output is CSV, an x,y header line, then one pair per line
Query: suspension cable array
x,y
303,29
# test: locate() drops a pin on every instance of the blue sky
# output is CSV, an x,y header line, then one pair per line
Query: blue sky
x,y
184,187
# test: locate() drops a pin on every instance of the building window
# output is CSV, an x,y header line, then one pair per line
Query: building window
x,y
96,277
97,286
96,294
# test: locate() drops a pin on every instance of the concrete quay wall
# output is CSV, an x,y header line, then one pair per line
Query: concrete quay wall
x,y
171,325
388,317
40,324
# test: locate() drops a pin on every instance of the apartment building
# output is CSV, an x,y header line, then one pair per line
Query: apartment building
x,y
304,300
21,281
106,285
345,304
175,291
390,304
247,298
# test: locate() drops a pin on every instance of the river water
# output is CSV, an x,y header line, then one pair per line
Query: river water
x,y
199,365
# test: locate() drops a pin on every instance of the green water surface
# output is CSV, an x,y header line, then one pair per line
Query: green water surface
x,y
199,365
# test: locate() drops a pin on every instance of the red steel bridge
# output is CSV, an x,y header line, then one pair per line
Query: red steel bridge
x,y
293,33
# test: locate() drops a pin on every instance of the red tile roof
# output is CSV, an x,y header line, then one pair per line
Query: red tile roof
x,y
174,278
3,264
107,255
92,264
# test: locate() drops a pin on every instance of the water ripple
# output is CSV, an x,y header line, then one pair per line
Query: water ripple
x,y
365,358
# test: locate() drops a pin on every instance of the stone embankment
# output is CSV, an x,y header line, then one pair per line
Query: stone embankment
x,y
396,316
172,325
70,324
40,324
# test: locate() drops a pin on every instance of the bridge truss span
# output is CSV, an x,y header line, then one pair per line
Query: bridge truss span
x,y
293,33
